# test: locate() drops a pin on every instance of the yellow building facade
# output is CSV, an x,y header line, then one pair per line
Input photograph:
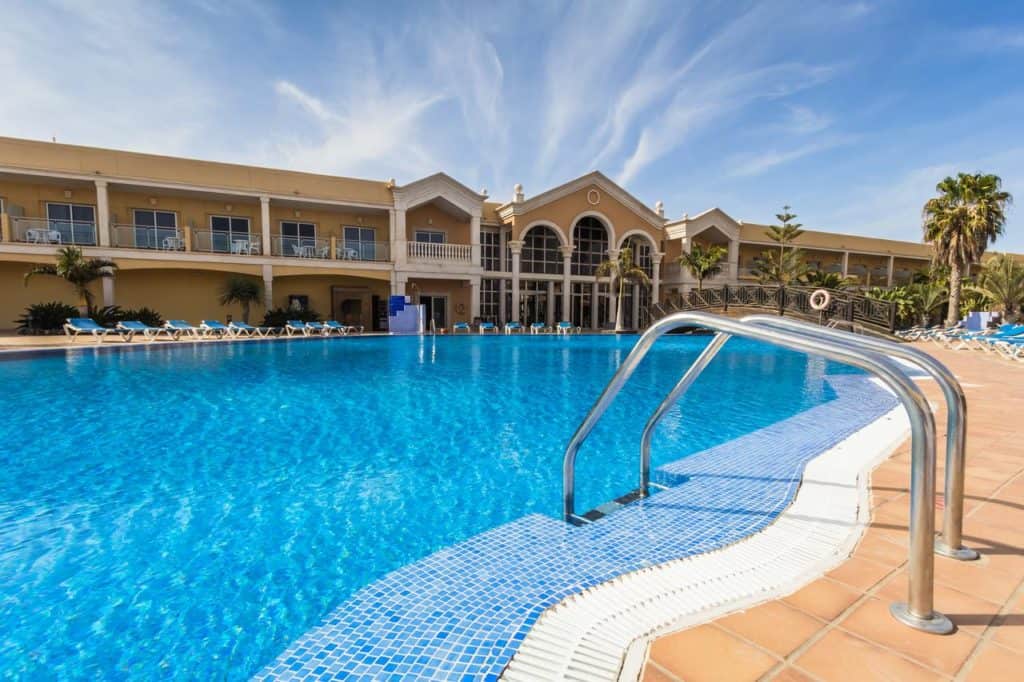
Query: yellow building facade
x,y
180,228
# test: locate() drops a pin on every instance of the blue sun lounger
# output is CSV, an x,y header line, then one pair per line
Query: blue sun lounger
x,y
149,333
213,328
83,325
183,328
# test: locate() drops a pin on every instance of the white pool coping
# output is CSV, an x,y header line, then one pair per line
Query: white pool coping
x,y
603,633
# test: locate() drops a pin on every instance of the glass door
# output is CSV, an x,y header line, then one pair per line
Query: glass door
x,y
436,309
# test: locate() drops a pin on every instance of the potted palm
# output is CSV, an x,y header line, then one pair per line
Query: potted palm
x,y
244,291
703,262
78,271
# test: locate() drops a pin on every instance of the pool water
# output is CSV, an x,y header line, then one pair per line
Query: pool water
x,y
187,512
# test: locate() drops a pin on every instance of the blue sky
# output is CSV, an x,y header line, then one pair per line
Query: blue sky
x,y
848,111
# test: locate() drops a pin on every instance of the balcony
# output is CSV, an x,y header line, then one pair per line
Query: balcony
x,y
46,231
147,237
329,249
235,243
426,252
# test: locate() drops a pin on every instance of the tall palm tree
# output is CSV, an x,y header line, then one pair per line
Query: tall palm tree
x,y
622,270
241,290
961,222
76,270
1002,281
703,262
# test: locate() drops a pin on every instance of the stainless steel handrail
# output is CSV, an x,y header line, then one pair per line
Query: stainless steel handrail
x,y
918,611
950,543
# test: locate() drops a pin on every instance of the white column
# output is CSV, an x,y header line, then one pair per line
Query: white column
x,y
517,249
892,270
474,298
108,291
102,214
265,224
613,289
502,313
566,282
636,306
656,277
550,318
474,240
396,227
846,263
268,287
398,282
734,260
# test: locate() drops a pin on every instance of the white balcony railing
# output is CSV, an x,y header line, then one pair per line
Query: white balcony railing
x,y
46,231
441,253
300,247
235,243
147,237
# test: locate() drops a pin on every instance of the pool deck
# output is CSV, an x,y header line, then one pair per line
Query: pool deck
x,y
839,628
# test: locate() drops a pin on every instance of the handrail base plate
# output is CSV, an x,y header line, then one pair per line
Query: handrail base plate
x,y
938,624
960,554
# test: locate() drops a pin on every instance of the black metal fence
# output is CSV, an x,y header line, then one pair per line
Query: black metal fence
x,y
844,305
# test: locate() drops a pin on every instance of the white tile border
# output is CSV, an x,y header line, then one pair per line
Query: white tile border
x,y
603,632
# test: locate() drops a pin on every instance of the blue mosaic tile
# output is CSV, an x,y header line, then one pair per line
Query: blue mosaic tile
x,y
461,613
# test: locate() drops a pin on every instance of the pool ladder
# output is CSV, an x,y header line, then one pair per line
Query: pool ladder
x,y
870,354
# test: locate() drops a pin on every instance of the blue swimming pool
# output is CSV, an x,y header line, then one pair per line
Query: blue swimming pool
x,y
188,512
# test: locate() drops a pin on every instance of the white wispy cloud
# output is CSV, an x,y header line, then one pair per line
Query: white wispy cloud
x,y
705,102
804,120
89,83
755,164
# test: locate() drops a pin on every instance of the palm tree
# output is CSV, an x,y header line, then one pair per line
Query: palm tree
x,y
244,291
703,262
621,270
968,214
825,280
1002,281
927,298
78,271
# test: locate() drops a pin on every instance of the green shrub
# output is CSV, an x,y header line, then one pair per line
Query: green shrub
x,y
277,317
143,315
45,318
107,316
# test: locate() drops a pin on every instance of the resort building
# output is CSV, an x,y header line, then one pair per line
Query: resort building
x,y
178,228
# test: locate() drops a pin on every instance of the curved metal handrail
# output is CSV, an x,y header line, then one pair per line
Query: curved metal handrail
x,y
951,542
918,612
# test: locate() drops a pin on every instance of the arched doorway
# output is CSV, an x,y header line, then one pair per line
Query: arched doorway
x,y
636,299
540,298
590,300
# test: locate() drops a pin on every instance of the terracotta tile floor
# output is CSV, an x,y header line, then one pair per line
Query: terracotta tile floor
x,y
839,627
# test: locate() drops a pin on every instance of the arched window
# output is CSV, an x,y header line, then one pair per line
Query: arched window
x,y
540,252
642,253
590,245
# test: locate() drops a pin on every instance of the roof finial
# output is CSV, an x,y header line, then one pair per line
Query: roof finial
x,y
517,194
483,192
659,208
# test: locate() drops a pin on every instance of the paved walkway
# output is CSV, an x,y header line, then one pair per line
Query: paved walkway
x,y
839,627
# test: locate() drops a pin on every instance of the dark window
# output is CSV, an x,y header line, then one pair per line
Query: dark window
x,y
590,242
540,252
429,236
490,250
360,243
